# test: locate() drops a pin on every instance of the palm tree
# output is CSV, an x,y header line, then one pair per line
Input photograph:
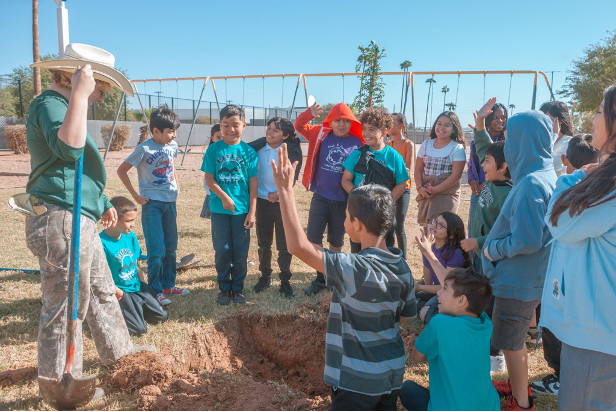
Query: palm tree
x,y
404,66
444,90
431,80
511,107
35,48
451,106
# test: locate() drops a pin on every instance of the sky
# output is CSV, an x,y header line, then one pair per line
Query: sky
x,y
186,38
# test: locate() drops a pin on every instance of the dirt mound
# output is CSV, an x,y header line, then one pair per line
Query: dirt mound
x,y
13,376
142,369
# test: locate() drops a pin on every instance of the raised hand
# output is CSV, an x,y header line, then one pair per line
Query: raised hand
x,y
424,243
284,173
82,81
485,110
316,110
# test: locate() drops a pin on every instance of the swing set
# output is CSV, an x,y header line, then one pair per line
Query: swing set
x,y
301,79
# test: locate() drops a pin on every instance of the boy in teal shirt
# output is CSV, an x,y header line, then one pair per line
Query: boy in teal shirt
x,y
375,162
137,299
230,167
456,343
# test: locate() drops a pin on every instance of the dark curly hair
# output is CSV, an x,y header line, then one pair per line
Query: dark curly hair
x,y
458,134
163,118
377,117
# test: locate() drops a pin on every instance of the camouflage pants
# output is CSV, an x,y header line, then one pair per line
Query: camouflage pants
x,y
48,237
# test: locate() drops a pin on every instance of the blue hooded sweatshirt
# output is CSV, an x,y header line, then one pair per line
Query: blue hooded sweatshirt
x,y
518,238
579,298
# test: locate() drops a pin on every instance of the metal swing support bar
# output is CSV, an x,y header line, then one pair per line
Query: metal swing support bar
x,y
192,125
115,120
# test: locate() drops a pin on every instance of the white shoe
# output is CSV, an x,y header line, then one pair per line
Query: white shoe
x,y
497,364
250,262
163,300
547,386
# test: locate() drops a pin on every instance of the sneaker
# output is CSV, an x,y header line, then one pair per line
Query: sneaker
x,y
224,297
314,288
163,300
263,283
497,364
286,289
512,405
238,297
250,262
547,386
176,291
504,388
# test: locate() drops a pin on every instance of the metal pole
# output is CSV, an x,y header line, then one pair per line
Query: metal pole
x,y
193,122
305,91
125,106
147,121
114,126
413,111
62,16
211,118
294,96
406,95
94,111
216,97
21,100
532,107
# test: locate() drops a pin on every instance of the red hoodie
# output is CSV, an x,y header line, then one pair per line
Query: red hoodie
x,y
316,134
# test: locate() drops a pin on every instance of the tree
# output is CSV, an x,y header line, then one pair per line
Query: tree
x,y
35,49
444,90
370,82
451,106
591,74
511,107
581,121
203,119
404,66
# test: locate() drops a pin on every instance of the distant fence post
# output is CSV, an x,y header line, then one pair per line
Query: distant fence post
x,y
21,100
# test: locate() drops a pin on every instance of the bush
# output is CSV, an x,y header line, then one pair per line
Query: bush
x,y
144,134
16,138
121,136
203,119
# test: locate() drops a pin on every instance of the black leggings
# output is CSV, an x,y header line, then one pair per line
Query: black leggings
x,y
402,207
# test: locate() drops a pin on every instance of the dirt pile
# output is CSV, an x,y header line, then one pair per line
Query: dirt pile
x,y
142,369
13,376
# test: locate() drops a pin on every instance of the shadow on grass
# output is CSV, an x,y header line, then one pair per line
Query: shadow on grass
x,y
25,326
22,277
24,404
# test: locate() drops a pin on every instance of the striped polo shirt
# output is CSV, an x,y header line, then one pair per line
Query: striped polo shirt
x,y
372,289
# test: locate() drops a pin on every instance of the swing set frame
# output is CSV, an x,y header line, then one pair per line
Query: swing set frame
x,y
301,79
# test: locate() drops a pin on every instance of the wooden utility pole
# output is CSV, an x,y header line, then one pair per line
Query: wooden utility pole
x,y
35,48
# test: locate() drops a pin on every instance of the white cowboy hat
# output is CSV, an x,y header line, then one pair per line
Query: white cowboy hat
x,y
77,54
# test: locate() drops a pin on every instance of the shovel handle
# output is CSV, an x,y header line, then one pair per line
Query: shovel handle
x,y
73,274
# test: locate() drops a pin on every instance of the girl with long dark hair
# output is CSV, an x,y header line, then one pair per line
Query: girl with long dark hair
x,y
563,132
579,297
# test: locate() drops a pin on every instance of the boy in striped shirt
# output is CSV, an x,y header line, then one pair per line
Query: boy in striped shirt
x,y
373,292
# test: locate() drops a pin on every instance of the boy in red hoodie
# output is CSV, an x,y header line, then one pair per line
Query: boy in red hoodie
x,y
328,147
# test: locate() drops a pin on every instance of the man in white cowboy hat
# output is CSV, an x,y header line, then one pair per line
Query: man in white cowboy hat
x,y
57,136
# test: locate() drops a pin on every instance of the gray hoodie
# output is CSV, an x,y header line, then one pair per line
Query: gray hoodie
x,y
518,239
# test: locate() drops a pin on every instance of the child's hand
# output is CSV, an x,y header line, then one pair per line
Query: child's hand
x,y
423,191
228,204
284,173
589,167
142,200
109,218
273,197
485,110
316,110
469,244
250,221
423,312
485,252
473,126
424,243
119,293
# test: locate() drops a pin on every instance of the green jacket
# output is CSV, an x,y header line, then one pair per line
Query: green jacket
x,y
490,200
52,161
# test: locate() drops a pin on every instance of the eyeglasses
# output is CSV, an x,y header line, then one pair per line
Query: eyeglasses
x,y
438,224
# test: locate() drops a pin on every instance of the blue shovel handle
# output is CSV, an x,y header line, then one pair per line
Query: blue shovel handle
x,y
73,274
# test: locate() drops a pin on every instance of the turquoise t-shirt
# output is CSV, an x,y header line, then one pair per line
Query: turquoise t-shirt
x,y
386,156
232,168
458,350
122,255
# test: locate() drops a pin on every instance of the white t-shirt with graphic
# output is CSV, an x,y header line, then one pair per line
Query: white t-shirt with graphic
x,y
154,163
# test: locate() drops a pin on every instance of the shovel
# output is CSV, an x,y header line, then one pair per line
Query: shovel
x,y
69,392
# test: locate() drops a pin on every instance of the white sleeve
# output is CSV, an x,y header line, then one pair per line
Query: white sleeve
x,y
422,149
458,154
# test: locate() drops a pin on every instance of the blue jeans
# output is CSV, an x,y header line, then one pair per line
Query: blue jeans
x,y
414,397
161,240
231,242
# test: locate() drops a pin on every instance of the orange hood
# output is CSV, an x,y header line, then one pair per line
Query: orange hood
x,y
342,111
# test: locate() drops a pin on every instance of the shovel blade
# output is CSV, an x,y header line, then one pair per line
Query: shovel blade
x,y
67,392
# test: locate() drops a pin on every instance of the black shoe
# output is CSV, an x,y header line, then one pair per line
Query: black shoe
x,y
224,297
263,283
286,289
238,297
314,288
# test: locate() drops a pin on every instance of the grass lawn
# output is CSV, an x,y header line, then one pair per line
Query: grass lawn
x,y
188,316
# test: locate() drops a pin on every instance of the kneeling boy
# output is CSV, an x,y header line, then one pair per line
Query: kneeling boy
x,y
372,294
456,343
137,299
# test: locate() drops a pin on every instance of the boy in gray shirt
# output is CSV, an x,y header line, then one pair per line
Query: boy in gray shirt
x,y
158,191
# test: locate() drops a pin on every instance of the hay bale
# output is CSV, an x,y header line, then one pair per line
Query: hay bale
x,y
16,138
144,134
121,136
